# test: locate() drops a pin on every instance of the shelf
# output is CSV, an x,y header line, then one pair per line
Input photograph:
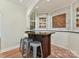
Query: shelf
x,y
42,22
78,9
32,20
77,17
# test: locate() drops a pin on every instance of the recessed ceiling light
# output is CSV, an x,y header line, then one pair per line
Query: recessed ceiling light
x,y
21,1
48,0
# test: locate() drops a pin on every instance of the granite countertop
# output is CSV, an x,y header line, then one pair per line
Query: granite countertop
x,y
38,33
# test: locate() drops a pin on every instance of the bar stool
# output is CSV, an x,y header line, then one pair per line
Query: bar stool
x,y
35,45
25,46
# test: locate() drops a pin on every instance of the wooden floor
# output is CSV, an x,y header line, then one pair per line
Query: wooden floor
x,y
56,52
11,54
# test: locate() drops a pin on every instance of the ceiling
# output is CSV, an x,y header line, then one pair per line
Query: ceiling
x,y
43,6
24,3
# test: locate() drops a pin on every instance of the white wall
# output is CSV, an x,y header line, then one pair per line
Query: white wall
x,y
73,42
0,30
13,24
15,20
60,39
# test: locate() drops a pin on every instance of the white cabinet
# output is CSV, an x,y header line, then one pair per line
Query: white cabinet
x,y
41,22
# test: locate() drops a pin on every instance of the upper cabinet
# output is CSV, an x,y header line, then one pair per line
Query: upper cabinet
x,y
32,21
41,22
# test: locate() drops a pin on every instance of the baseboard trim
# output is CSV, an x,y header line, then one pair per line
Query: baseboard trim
x,y
60,46
67,49
74,53
10,48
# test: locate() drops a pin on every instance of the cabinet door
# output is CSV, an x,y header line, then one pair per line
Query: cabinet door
x,y
46,45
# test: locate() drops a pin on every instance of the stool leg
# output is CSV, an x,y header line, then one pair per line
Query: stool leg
x,y
26,47
41,52
34,52
25,50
